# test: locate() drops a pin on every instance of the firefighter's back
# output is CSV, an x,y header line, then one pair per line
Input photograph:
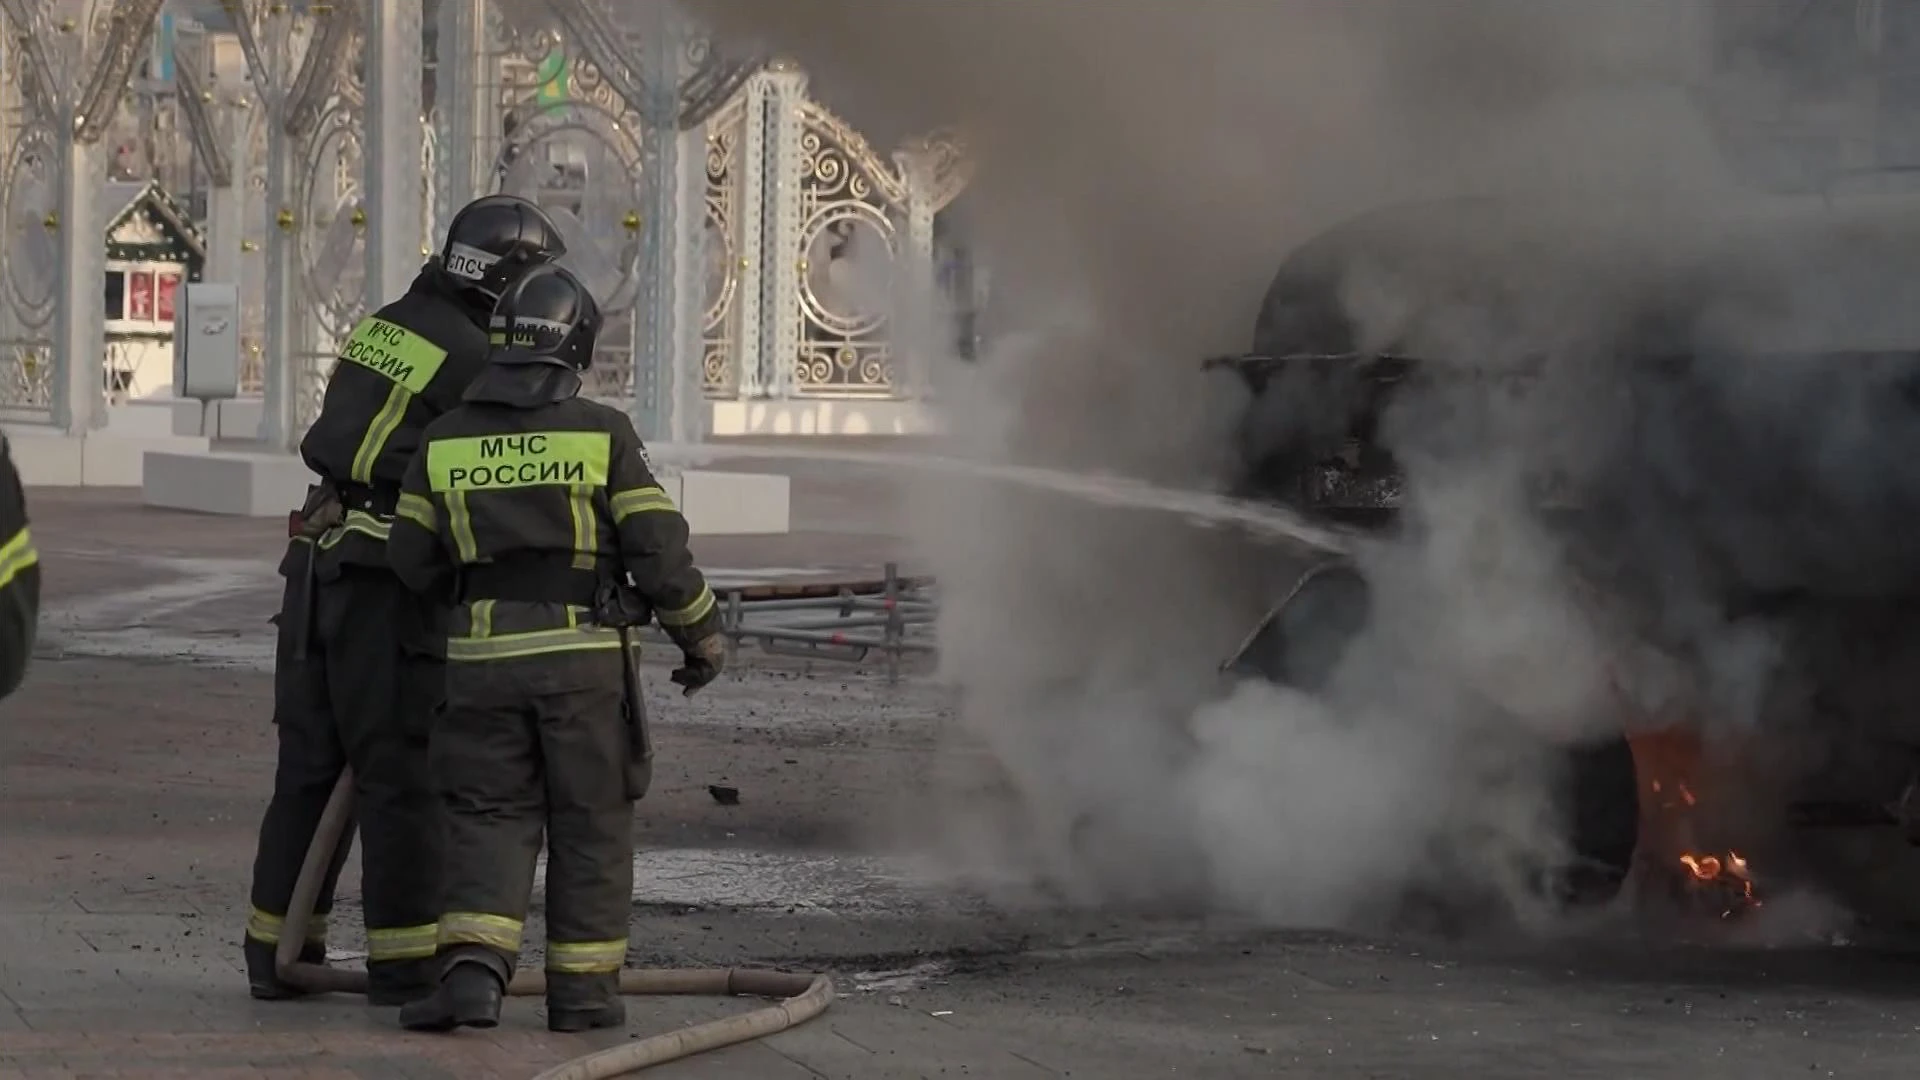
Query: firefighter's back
x,y
523,491
400,367
524,505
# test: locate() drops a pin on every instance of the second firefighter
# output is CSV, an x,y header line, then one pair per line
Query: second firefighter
x,y
533,512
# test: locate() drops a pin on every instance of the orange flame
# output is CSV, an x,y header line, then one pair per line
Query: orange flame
x,y
1728,872
1671,763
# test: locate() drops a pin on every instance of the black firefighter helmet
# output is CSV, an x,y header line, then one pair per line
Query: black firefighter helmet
x,y
547,317
495,239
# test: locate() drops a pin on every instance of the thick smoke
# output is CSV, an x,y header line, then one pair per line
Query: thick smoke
x,y
1145,165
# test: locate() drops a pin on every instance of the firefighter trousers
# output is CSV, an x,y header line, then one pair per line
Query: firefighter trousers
x,y
525,746
356,682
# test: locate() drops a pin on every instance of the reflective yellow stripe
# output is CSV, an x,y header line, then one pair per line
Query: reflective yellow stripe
x,y
460,524
639,501
480,615
701,607
476,928
358,521
532,643
262,926
265,927
378,432
534,458
403,942
585,957
419,510
586,541
16,555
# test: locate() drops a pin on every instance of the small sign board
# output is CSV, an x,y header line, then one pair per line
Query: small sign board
x,y
206,342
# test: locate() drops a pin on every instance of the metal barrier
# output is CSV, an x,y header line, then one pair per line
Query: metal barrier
x,y
842,620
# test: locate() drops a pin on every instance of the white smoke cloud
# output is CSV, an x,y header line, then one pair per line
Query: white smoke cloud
x,y
1146,164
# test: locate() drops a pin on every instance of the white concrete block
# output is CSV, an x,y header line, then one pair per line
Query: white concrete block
x,y
235,484
143,418
832,416
238,418
120,461
46,457
49,458
732,503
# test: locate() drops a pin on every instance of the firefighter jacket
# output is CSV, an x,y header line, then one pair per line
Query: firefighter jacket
x,y
19,577
401,367
521,516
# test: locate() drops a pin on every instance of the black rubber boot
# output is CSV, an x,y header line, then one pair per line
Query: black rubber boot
x,y
581,1002
573,1021
468,996
398,982
262,983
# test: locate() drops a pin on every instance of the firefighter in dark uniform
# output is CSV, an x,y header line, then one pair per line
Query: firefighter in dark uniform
x,y
534,512
358,672
19,577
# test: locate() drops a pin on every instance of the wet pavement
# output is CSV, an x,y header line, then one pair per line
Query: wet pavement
x,y
135,763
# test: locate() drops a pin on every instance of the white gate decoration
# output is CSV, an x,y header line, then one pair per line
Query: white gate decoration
x,y
329,228
63,74
812,240
580,160
298,61
804,236
852,206
789,187
27,206
723,245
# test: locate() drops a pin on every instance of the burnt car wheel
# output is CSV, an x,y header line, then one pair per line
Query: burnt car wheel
x,y
1595,793
1600,808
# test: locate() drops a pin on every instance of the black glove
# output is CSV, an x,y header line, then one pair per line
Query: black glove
x,y
319,514
704,661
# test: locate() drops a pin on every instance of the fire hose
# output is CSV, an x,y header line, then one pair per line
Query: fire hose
x,y
803,996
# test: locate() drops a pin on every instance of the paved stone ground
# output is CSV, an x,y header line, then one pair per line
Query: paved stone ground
x,y
135,763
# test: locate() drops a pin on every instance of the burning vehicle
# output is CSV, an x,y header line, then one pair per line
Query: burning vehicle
x,y
1709,407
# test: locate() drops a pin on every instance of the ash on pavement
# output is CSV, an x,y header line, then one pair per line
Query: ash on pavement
x,y
135,763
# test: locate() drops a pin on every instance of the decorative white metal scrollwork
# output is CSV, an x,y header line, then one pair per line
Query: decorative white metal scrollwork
x,y
330,231
331,223
253,365
430,173
851,205
28,208
722,254
944,162
715,82
31,217
124,30
579,158
26,374
298,57
255,213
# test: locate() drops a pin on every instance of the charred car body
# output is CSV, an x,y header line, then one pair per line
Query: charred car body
x,y
1711,409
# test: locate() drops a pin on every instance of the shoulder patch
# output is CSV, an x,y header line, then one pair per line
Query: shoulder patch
x,y
645,458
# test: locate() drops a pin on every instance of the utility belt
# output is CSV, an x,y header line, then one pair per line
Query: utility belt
x,y
529,581
376,499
